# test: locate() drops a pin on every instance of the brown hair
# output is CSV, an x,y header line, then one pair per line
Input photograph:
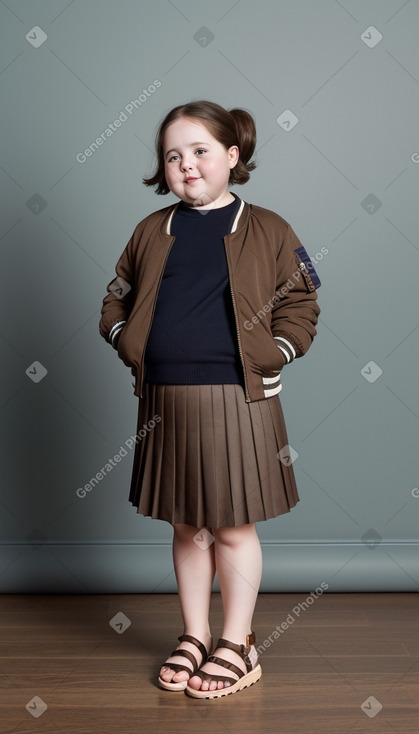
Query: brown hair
x,y
229,127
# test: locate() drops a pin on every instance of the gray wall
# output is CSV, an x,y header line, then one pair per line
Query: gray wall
x,y
345,177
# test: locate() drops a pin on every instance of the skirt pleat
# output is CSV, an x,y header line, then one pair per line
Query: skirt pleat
x,y
212,459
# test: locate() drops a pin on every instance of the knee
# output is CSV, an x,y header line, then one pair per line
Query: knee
x,y
234,536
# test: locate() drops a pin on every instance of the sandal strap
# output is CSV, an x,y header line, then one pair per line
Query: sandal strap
x,y
194,641
242,650
185,654
225,664
177,667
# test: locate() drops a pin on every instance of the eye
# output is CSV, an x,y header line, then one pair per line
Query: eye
x,y
172,157
200,150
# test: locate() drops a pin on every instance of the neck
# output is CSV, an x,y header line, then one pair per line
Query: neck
x,y
204,202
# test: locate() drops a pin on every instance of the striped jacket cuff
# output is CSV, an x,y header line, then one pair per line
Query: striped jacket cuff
x,y
286,348
116,328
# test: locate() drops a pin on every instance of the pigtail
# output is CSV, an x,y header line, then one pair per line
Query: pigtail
x,y
246,136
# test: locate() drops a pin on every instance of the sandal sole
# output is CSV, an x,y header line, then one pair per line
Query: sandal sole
x,y
245,682
172,686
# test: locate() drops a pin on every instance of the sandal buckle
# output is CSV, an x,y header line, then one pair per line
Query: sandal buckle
x,y
250,640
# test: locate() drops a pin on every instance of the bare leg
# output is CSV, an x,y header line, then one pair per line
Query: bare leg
x,y
238,559
195,570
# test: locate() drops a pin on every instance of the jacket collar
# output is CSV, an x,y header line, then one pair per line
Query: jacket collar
x,y
242,211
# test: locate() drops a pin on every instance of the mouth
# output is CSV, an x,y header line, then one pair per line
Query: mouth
x,y
191,179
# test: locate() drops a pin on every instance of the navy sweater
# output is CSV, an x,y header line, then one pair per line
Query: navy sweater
x,y
193,338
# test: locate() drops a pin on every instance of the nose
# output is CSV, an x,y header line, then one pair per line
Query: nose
x,y
186,164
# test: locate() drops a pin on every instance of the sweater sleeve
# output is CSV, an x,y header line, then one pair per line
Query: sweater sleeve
x,y
118,303
295,313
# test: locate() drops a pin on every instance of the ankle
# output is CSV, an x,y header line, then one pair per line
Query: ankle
x,y
239,639
203,635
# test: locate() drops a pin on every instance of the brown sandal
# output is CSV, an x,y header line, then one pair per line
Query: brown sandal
x,y
180,686
244,679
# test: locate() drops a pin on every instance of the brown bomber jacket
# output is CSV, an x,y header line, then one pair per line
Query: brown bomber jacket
x,y
274,297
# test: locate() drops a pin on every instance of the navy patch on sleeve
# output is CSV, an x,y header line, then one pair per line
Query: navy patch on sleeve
x,y
308,267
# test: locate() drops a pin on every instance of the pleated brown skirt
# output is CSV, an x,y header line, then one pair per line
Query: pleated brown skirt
x,y
212,459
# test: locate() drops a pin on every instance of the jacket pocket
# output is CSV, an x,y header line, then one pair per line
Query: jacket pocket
x,y
275,360
122,350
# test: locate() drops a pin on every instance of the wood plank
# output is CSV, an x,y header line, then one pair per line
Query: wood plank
x,y
342,650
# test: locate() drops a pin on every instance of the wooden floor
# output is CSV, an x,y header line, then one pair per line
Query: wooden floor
x,y
339,660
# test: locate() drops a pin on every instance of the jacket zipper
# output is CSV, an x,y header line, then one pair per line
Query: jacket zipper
x,y
237,329
152,314
235,318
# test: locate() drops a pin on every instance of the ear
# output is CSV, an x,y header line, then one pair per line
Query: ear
x,y
233,156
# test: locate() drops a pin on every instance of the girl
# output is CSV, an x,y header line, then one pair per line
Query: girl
x,y
213,296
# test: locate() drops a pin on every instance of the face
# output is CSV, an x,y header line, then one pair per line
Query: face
x,y
197,166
